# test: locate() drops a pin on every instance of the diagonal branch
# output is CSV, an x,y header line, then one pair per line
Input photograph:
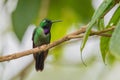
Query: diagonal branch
x,y
76,34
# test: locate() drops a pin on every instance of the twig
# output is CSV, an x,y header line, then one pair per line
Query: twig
x,y
100,33
77,34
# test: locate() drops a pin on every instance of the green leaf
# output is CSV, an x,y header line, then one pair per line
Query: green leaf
x,y
104,41
24,15
100,12
115,42
104,47
110,59
115,18
101,25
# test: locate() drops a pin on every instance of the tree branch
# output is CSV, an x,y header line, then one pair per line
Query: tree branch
x,y
76,34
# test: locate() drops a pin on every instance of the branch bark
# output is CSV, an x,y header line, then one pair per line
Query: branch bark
x,y
76,34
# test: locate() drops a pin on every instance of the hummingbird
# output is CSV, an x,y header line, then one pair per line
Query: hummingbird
x,y
41,36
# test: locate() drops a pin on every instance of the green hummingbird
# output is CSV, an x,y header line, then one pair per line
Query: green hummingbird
x,y
41,36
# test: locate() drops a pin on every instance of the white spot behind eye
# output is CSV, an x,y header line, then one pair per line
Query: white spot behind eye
x,y
44,20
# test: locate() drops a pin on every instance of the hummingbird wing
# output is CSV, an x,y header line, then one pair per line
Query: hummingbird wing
x,y
33,37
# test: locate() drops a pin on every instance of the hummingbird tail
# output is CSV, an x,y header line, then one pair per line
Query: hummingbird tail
x,y
40,58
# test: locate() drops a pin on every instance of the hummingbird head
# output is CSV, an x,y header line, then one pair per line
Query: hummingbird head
x,y
46,25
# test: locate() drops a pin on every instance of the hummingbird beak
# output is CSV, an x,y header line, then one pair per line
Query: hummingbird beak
x,y
56,21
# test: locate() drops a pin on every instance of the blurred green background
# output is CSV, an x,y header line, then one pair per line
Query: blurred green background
x,y
18,18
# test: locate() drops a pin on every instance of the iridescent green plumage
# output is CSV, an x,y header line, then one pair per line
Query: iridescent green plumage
x,y
41,35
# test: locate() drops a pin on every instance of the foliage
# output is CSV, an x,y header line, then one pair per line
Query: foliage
x,y
104,43
107,45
